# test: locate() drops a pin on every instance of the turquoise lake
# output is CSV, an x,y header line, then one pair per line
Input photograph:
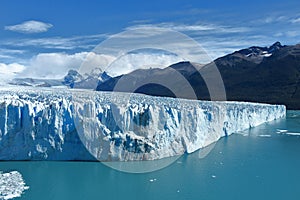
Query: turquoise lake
x,y
260,163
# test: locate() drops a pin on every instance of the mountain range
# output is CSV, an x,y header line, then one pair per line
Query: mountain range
x,y
256,74
73,79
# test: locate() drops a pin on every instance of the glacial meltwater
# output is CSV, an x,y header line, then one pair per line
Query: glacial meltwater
x,y
260,163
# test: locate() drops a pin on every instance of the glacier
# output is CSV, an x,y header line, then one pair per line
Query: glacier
x,y
56,124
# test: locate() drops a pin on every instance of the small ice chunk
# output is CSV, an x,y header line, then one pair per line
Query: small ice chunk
x,y
284,131
152,180
264,135
12,185
213,176
293,133
281,131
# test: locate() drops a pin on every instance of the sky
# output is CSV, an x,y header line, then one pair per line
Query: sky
x,y
47,38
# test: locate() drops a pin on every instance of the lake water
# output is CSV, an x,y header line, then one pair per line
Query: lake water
x,y
262,163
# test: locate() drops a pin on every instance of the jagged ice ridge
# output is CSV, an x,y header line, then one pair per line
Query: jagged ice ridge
x,y
53,124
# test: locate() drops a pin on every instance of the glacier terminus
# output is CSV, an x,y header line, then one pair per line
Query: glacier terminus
x,y
56,124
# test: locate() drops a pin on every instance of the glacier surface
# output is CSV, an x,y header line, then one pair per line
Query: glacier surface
x,y
53,124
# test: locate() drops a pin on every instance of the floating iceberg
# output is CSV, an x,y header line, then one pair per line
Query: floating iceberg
x,y
53,124
11,185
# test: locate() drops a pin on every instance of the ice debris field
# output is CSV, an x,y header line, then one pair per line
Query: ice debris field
x,y
56,124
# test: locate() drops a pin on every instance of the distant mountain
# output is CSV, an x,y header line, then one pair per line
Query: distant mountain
x,y
87,81
271,79
274,80
147,81
259,74
32,82
73,79
253,54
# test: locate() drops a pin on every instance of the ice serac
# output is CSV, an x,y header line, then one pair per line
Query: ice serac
x,y
51,124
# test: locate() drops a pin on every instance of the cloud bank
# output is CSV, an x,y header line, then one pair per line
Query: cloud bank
x,y
56,65
9,71
130,62
52,65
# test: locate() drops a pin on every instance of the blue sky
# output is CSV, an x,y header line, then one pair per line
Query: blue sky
x,y
58,34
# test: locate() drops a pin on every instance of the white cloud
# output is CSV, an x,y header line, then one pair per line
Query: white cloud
x,y
52,65
138,33
154,38
10,53
280,34
61,43
56,65
9,71
130,62
221,46
279,19
288,34
94,60
296,20
292,33
30,27
202,43
273,19
182,27
205,28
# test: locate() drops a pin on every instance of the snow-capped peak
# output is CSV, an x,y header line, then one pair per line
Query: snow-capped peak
x,y
276,46
72,77
87,81
95,73
103,77
256,54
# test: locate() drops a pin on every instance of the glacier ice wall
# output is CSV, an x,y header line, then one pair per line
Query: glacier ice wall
x,y
52,124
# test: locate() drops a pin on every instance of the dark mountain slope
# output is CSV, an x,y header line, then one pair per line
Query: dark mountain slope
x,y
258,74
